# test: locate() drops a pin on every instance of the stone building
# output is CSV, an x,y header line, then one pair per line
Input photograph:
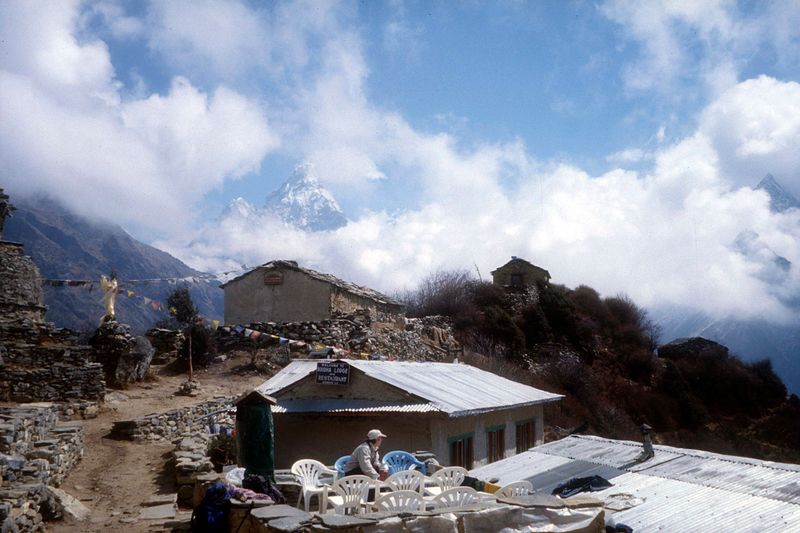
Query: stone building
x,y
519,273
38,362
282,291
466,416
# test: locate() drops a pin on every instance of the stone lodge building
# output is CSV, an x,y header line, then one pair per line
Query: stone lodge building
x,y
466,416
519,273
282,291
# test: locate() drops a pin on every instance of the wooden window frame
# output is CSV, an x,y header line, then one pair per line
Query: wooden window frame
x,y
466,441
495,443
529,435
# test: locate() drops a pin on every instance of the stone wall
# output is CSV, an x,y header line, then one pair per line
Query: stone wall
x,y
424,339
36,451
210,417
20,289
38,362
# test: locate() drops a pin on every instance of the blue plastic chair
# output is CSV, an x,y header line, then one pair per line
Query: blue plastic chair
x,y
398,460
339,465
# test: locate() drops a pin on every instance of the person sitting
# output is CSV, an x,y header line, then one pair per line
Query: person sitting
x,y
365,459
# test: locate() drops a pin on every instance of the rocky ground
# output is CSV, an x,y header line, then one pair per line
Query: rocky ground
x,y
115,477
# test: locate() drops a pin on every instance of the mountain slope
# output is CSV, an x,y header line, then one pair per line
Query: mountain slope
x,y
67,246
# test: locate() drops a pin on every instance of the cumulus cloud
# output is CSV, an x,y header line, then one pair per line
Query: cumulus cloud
x,y
755,127
669,235
707,42
67,131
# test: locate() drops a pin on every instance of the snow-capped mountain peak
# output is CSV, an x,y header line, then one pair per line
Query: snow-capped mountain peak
x,y
780,199
302,202
240,208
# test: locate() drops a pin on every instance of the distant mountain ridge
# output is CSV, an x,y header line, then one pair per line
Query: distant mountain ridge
x,y
68,246
750,339
780,199
300,202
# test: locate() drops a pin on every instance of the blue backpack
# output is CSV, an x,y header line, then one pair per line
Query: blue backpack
x,y
211,516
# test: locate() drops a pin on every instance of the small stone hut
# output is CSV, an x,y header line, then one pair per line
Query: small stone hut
x,y
519,273
466,416
282,291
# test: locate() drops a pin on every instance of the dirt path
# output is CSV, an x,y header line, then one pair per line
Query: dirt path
x,y
115,477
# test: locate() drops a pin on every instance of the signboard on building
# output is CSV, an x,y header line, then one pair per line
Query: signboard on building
x,y
273,278
333,373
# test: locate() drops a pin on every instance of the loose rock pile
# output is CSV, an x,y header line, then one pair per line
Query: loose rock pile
x,y
166,343
125,358
205,417
190,461
425,339
36,451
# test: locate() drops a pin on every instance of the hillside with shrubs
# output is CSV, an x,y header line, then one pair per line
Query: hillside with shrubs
x,y
603,354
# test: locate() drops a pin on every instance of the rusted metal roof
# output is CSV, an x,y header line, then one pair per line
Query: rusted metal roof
x,y
358,290
681,489
455,389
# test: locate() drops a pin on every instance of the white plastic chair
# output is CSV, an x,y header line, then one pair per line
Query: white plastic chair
x,y
517,488
406,480
308,472
400,501
446,478
454,498
349,494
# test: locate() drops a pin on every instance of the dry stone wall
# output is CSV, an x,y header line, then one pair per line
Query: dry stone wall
x,y
38,362
36,451
421,339
207,417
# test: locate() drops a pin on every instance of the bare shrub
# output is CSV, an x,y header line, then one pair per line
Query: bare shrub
x,y
445,292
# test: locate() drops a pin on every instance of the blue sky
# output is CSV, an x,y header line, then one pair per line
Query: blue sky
x,y
614,143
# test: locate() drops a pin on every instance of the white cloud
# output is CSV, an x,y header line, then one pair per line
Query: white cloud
x,y
66,131
629,155
667,236
755,127
708,42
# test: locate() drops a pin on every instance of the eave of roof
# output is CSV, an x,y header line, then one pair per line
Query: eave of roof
x,y
358,290
337,406
455,389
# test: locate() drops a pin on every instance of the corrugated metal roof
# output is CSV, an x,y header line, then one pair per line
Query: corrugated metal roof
x,y
456,389
682,489
351,406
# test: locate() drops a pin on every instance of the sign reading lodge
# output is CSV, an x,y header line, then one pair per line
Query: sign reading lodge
x,y
333,373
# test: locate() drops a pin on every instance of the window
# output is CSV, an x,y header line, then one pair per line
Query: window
x,y
461,451
526,435
495,443
516,280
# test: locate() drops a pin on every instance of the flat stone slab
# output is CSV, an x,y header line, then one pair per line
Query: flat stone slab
x,y
288,524
158,512
279,511
70,505
161,499
337,521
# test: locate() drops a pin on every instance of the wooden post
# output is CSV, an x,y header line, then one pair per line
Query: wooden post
x,y
191,374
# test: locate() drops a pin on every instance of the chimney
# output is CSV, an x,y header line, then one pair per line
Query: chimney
x,y
647,444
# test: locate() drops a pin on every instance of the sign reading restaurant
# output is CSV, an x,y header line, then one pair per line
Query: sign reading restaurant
x,y
333,373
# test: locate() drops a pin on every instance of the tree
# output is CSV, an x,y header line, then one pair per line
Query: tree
x,y
182,307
